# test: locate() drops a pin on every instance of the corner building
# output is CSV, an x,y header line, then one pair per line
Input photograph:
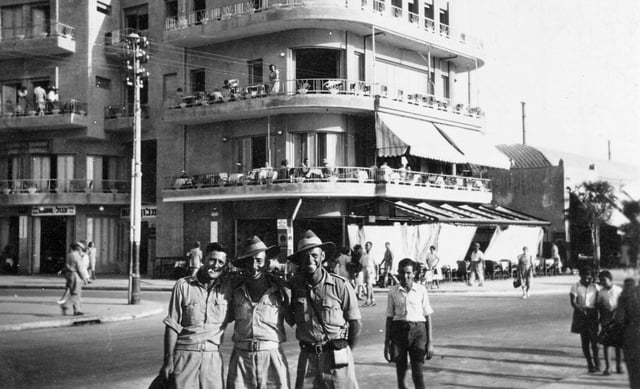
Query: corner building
x,y
65,167
361,82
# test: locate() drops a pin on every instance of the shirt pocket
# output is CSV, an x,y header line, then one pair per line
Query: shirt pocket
x,y
270,311
219,311
332,312
193,314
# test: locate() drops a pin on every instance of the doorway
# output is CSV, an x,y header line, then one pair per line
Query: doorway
x,y
53,242
316,66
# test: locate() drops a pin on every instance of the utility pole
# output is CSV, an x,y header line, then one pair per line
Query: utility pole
x,y
524,134
136,55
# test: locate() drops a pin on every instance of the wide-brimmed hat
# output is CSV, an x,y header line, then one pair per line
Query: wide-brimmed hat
x,y
308,241
253,246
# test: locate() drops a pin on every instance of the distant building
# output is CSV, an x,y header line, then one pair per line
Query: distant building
x,y
538,184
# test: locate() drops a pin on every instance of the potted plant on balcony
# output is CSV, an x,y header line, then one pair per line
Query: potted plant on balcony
x,y
31,187
303,87
6,190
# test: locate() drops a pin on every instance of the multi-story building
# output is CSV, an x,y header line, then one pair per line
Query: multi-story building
x,y
64,165
360,83
230,147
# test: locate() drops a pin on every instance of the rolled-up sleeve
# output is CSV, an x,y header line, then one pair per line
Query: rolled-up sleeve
x,y
350,304
390,306
174,315
426,305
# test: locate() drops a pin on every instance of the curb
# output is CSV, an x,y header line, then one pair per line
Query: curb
x,y
83,320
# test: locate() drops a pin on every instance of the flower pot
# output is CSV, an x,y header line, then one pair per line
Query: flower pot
x,y
32,113
55,111
302,91
31,190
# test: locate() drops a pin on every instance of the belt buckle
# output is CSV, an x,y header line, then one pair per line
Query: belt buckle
x,y
254,346
318,349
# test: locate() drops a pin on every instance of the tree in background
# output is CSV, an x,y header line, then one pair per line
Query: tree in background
x,y
597,200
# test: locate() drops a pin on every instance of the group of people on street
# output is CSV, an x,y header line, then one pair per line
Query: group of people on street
x,y
321,305
609,315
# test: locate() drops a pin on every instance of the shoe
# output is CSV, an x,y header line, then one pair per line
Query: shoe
x,y
524,296
619,370
373,304
78,313
592,369
365,304
606,372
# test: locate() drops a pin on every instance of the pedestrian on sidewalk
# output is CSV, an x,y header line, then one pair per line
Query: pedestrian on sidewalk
x,y
525,271
195,258
585,317
408,327
260,306
607,302
432,274
386,266
476,265
92,252
357,279
75,277
369,274
195,323
628,314
327,319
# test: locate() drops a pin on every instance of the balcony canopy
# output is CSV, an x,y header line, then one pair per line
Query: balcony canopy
x,y
395,135
476,148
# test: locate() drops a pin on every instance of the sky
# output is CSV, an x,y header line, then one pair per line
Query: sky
x,y
576,65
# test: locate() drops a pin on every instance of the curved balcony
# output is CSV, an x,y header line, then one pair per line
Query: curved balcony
x,y
53,191
314,95
67,114
336,182
244,19
35,40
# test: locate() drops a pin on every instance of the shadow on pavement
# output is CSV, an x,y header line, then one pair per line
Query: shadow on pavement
x,y
508,350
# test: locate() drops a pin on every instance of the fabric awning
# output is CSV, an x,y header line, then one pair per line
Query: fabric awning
x,y
476,147
395,135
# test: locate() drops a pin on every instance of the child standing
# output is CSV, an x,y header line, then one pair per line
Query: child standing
x,y
607,302
585,317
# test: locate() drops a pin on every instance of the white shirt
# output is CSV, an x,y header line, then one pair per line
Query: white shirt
x,y
476,256
585,295
608,298
412,305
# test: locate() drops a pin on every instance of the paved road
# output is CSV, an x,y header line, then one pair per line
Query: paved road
x,y
481,341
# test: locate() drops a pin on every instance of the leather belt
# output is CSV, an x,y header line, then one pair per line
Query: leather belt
x,y
316,348
256,345
204,346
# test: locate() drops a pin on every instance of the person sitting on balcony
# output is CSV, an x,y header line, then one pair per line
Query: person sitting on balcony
x,y
285,171
274,80
52,98
21,108
304,171
40,98
327,169
385,172
216,96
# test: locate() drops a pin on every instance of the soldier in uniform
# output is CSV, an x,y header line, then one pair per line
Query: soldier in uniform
x,y
327,318
260,304
195,324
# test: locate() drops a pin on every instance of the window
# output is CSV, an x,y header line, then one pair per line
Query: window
x,y
317,146
13,23
197,80
255,71
446,92
428,10
199,7
103,83
137,18
171,8
103,7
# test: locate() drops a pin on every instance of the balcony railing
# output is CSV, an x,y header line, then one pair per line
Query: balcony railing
x,y
31,186
243,7
34,31
116,37
126,110
344,174
61,107
314,86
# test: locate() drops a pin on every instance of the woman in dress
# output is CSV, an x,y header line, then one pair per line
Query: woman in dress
x,y
607,302
274,80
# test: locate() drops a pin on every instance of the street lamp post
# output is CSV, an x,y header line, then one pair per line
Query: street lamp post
x,y
135,46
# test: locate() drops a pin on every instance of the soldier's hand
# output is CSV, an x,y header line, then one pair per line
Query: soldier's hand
x,y
166,370
429,353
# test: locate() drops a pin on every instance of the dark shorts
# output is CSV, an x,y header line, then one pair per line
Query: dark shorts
x,y
408,337
585,324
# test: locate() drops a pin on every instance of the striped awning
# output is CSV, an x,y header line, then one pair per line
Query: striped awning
x,y
475,146
397,135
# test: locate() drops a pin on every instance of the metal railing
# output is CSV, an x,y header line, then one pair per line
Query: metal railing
x,y
124,110
244,7
36,31
115,37
342,174
61,107
314,86
19,186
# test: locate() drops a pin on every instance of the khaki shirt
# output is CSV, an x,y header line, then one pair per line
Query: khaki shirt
x,y
262,320
197,314
333,298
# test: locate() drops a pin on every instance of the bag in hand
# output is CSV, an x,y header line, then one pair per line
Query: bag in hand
x,y
517,282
